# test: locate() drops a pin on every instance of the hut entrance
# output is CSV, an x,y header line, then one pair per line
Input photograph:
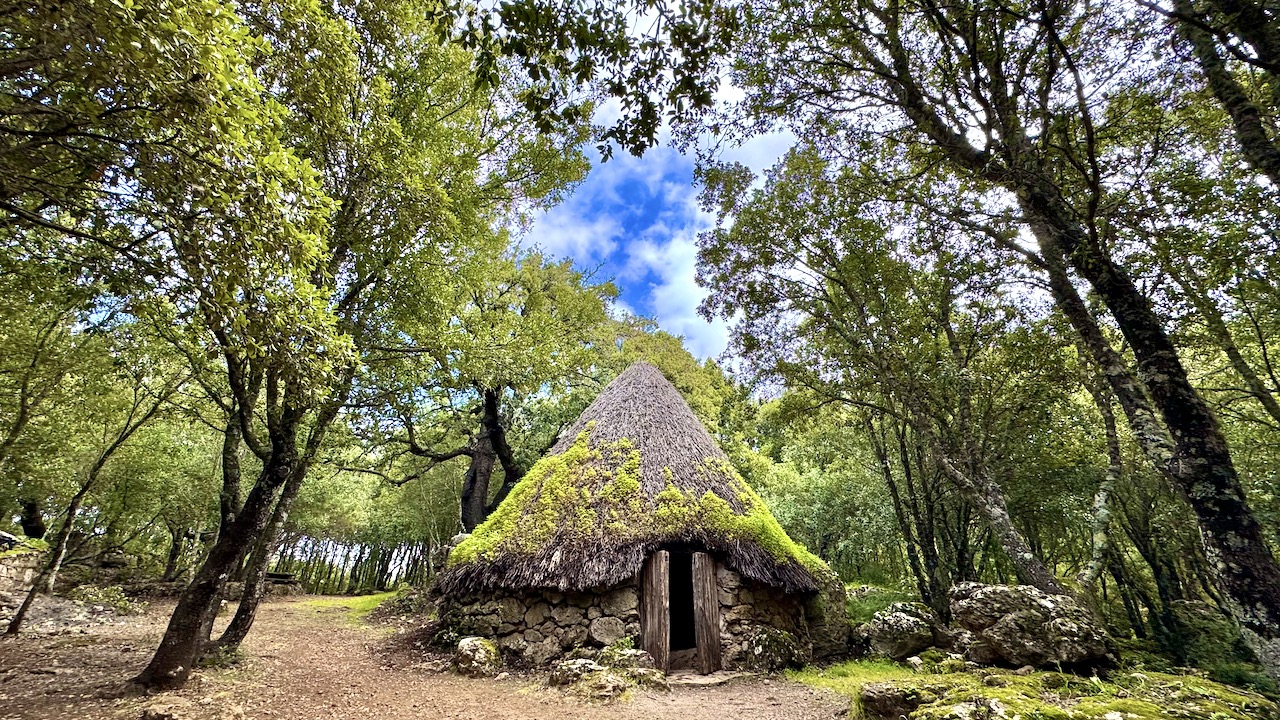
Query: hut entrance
x,y
681,611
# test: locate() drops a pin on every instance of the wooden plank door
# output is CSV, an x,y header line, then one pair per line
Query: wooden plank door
x,y
655,616
706,612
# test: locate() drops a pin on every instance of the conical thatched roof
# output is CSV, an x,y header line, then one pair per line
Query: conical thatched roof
x,y
636,473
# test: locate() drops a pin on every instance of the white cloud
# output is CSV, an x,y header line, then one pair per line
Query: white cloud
x,y
567,232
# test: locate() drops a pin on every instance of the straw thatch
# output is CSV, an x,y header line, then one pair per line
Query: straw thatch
x,y
638,472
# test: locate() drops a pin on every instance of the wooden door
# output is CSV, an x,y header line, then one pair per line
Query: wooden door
x,y
706,612
655,616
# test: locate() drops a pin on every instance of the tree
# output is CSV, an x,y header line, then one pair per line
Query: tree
x,y
524,327
828,301
146,387
1034,117
417,168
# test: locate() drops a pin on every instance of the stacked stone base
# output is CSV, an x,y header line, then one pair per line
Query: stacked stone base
x,y
537,627
760,627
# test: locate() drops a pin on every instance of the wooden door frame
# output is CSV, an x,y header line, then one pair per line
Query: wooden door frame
x,y
655,610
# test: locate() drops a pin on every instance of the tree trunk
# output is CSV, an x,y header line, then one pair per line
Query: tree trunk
x,y
255,583
33,520
475,486
49,574
187,632
1200,467
1115,465
177,537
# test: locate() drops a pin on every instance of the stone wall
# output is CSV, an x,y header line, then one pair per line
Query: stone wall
x,y
746,607
18,571
538,627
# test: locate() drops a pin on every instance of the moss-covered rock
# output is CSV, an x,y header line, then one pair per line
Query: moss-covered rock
x,y
881,689
477,657
771,649
902,630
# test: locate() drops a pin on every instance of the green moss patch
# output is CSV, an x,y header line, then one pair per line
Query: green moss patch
x,y
1046,695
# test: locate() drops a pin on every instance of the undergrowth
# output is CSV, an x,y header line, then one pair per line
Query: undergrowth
x,y
1045,695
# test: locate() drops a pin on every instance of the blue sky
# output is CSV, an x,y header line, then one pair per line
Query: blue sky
x,y
636,221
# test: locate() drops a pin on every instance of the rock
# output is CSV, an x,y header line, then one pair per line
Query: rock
x,y
1019,625
887,700
573,636
510,610
568,614
477,657
828,624
533,636
603,685
616,657
537,614
594,612
620,602
916,663
596,682
606,630
513,644
567,672
543,652
902,630
769,649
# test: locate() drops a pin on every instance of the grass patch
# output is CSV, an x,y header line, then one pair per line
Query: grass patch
x,y
1045,695
358,607
864,601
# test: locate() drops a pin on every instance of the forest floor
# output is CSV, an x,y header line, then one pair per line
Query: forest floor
x,y
310,659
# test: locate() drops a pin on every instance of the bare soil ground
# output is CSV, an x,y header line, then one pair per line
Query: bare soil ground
x,y
309,663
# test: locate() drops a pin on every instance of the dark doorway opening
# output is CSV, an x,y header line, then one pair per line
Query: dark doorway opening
x,y
683,633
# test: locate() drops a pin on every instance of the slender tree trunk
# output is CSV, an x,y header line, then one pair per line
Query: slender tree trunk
x,y
256,577
1221,334
1100,537
177,538
49,574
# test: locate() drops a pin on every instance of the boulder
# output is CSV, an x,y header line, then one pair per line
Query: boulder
x,y
902,630
606,630
567,672
1019,625
477,657
617,657
770,649
828,624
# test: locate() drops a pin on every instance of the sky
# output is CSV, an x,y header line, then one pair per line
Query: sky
x,y
635,221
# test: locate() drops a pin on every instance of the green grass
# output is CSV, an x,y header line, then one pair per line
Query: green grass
x,y
1046,695
865,601
357,607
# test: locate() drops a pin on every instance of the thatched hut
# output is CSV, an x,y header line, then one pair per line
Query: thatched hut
x,y
636,525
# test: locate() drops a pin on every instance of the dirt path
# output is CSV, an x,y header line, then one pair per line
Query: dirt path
x,y
306,663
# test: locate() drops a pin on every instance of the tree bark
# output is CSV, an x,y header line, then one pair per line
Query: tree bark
x,y
33,520
256,577
187,632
